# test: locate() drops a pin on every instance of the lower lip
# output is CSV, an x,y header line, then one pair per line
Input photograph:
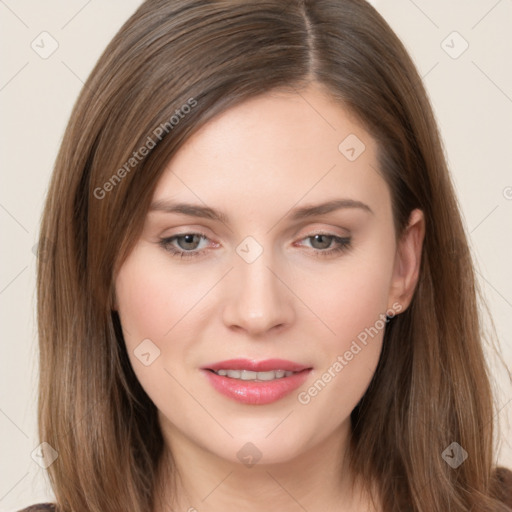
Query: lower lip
x,y
256,393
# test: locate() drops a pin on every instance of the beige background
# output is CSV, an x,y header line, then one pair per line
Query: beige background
x,y
472,99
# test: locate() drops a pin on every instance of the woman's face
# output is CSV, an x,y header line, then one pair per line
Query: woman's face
x,y
277,277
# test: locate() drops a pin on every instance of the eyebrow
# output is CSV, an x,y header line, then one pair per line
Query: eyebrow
x,y
300,213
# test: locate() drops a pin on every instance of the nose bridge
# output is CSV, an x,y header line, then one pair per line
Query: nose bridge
x,y
257,299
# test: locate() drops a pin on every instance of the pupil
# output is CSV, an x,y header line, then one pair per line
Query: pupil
x,y
189,239
319,238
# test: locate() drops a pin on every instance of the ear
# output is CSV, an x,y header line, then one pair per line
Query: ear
x,y
407,261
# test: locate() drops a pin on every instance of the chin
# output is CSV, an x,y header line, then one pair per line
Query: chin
x,y
262,449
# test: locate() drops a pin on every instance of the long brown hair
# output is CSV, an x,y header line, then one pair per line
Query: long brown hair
x,y
431,387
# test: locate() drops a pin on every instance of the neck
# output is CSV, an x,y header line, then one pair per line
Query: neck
x,y
194,479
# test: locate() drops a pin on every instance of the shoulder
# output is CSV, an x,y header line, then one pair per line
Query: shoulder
x,y
41,507
502,485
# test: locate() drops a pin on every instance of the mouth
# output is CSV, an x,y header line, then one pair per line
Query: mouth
x,y
249,375
256,382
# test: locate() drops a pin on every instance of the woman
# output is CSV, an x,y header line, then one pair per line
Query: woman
x,y
258,292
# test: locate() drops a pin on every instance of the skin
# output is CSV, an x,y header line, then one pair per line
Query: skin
x,y
256,162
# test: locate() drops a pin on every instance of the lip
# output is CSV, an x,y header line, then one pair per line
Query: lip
x,y
256,366
256,393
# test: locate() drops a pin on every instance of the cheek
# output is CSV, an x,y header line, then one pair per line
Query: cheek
x,y
150,306
351,297
150,302
355,315
352,301
141,305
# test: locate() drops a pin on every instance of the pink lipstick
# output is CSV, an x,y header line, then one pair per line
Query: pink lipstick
x,y
256,382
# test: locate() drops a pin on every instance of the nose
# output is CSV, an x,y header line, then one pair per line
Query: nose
x,y
259,299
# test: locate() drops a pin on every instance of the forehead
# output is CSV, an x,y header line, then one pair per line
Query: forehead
x,y
276,149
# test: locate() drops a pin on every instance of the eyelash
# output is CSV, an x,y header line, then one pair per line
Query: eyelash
x,y
344,243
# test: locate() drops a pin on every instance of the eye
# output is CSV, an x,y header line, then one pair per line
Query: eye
x,y
325,241
187,244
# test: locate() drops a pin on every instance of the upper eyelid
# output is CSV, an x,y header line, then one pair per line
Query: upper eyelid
x,y
296,230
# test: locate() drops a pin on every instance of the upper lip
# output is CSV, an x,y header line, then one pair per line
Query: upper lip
x,y
257,366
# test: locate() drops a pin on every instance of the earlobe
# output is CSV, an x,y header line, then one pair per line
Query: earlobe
x,y
408,260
